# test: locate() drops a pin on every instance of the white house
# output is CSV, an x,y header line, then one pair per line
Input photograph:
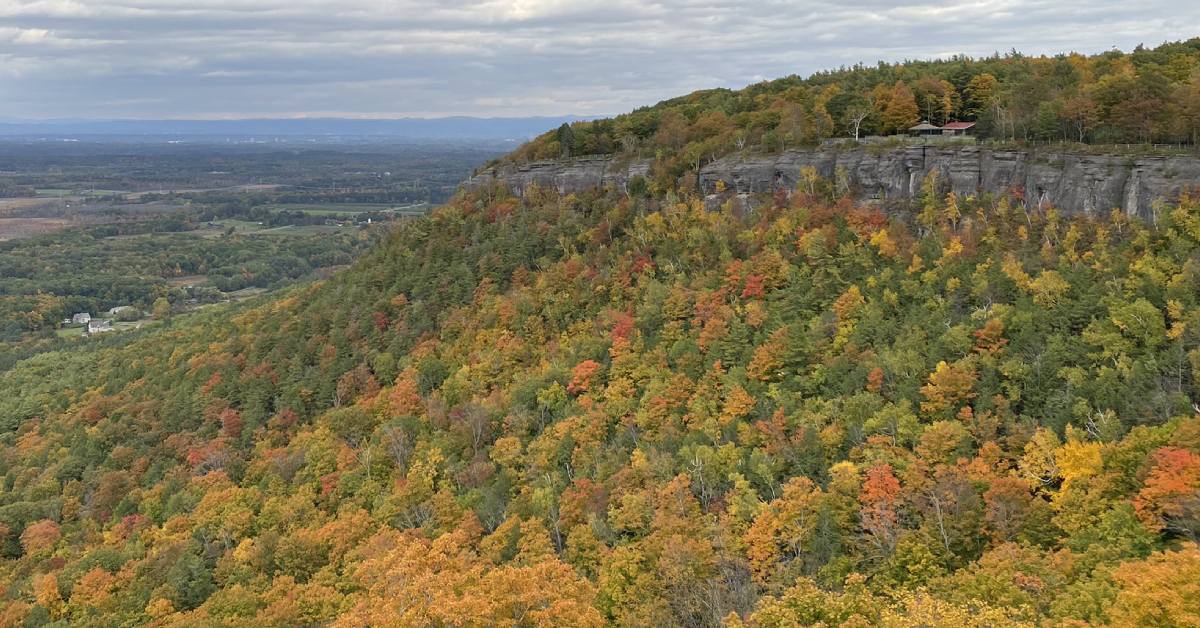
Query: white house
x,y
98,326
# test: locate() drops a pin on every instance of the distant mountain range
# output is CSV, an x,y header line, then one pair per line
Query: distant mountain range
x,y
459,127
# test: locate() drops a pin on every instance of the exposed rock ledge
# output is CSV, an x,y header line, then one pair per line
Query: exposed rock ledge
x,y
1076,183
563,175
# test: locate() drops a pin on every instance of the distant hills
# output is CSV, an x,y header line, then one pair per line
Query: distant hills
x,y
458,127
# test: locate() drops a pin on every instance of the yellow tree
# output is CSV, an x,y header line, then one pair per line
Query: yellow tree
x,y
407,581
949,387
900,110
778,539
1163,590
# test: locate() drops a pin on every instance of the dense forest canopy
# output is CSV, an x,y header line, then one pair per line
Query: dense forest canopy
x,y
574,410
603,408
1144,96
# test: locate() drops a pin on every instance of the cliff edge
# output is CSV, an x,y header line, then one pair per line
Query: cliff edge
x,y
1074,182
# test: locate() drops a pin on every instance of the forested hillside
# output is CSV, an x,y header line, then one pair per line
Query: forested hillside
x,y
1144,96
614,407
591,409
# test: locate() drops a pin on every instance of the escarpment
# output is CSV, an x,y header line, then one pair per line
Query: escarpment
x,y
563,175
1074,182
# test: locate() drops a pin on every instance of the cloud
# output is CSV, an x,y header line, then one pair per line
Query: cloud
x,y
229,58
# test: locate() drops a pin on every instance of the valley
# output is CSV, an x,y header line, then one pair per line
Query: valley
x,y
164,229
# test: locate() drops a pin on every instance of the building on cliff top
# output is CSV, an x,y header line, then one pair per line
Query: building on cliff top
x,y
951,129
957,128
924,128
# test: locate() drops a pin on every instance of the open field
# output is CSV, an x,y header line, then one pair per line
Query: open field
x,y
246,293
246,227
30,216
22,203
187,280
14,228
331,208
218,229
248,187
336,209
76,331
302,230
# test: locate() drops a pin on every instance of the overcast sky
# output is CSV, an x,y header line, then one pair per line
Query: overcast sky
x,y
393,58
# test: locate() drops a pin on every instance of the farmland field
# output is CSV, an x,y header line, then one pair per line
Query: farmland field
x,y
13,228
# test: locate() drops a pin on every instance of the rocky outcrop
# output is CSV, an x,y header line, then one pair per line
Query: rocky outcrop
x,y
563,175
1073,182
1076,183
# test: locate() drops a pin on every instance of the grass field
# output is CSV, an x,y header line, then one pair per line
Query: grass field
x,y
57,192
187,280
334,209
245,227
13,228
353,208
76,331
246,293
10,204
300,230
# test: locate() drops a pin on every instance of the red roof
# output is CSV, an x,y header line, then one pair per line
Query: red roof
x,y
956,126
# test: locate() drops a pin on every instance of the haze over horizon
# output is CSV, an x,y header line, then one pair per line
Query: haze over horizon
x,y
153,59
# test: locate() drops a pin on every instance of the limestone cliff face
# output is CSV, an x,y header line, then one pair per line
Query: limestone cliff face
x,y
563,175
1075,183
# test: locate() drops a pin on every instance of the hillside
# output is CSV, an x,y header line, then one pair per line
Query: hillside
x,y
618,407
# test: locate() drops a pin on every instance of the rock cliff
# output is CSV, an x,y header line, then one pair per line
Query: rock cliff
x,y
1076,183
1073,182
564,175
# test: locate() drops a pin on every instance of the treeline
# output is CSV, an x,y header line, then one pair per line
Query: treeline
x,y
1144,96
279,216
399,192
579,411
14,190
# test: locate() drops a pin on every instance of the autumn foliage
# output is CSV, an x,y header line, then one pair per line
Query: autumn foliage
x,y
782,419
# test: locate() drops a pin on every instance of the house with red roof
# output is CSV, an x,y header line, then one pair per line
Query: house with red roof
x,y
957,128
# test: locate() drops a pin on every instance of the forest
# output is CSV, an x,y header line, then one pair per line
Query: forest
x,y
590,409
618,408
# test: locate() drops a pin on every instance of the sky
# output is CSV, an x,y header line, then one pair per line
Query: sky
x,y
219,59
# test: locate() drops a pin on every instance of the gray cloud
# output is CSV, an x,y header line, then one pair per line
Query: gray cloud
x,y
387,58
